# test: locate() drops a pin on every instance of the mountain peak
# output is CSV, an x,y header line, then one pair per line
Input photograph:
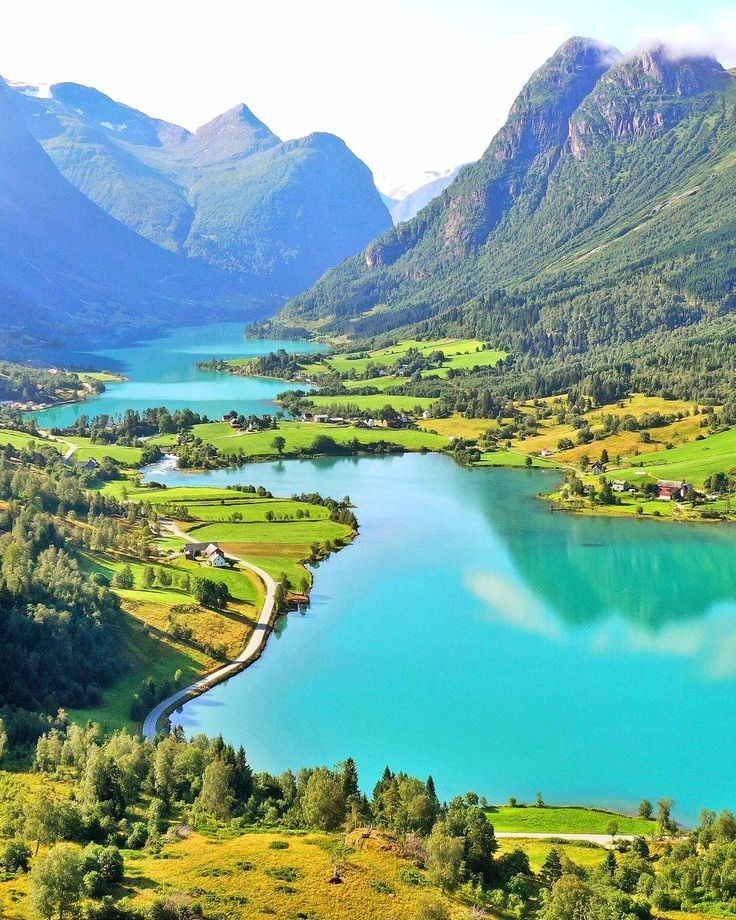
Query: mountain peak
x,y
646,92
235,133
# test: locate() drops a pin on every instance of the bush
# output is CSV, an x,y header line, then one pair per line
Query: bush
x,y
15,857
278,845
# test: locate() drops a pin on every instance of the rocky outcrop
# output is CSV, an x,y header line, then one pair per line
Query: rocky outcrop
x,y
642,94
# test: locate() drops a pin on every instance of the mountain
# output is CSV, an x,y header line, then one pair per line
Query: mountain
x,y
410,204
602,213
68,268
276,214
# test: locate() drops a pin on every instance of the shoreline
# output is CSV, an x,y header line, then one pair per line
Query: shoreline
x,y
253,650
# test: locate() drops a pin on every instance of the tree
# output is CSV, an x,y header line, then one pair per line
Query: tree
x,y
444,858
278,444
612,829
551,870
149,577
528,462
664,816
433,909
3,739
569,900
56,882
323,802
216,798
124,578
16,857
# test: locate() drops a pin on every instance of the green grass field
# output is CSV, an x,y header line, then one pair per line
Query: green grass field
x,y
694,461
564,820
538,851
20,440
462,353
127,456
513,458
300,436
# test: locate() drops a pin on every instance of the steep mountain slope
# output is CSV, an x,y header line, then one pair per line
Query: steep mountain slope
x,y
276,213
67,267
601,212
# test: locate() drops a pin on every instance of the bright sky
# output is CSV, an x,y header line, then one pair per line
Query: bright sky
x,y
411,85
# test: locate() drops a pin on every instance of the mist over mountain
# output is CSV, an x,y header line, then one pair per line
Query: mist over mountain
x,y
404,204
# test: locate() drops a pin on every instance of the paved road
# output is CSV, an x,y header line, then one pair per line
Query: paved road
x,y
603,840
254,646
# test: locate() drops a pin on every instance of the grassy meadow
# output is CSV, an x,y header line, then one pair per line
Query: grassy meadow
x,y
553,819
299,437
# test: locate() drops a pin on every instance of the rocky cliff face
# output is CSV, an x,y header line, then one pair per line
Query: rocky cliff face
x,y
644,93
529,143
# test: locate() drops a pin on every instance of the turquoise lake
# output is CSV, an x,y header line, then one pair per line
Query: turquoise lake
x,y
163,372
470,633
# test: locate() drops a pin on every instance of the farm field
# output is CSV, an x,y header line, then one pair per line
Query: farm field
x,y
462,353
694,461
299,437
553,819
589,857
20,440
375,402
622,444
514,458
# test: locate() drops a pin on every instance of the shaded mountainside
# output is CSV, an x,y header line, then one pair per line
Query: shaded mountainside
x,y
275,214
67,267
601,213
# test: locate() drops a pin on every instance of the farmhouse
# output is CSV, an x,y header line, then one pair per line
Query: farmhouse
x,y
89,466
672,489
207,552
214,556
321,418
620,485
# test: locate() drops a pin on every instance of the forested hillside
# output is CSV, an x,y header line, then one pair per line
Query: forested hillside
x,y
595,234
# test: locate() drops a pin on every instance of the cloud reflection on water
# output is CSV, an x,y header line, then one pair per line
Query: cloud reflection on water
x,y
709,641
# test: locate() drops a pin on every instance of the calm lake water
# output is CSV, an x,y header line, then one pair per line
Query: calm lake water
x,y
471,634
468,632
163,372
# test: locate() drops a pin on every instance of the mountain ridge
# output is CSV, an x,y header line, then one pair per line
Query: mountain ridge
x,y
168,184
600,212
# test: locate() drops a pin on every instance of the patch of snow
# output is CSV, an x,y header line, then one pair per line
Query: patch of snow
x,y
38,90
111,127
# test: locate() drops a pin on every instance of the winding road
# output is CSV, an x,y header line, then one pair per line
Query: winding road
x,y
252,650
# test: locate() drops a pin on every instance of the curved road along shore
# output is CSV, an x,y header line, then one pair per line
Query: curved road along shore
x,y
252,650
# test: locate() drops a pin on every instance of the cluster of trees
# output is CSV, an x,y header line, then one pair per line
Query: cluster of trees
x,y
19,383
129,793
57,626
133,425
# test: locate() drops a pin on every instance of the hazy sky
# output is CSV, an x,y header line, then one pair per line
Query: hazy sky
x,y
411,85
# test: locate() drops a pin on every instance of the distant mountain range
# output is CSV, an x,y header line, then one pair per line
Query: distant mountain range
x,y
220,215
69,269
403,204
602,213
